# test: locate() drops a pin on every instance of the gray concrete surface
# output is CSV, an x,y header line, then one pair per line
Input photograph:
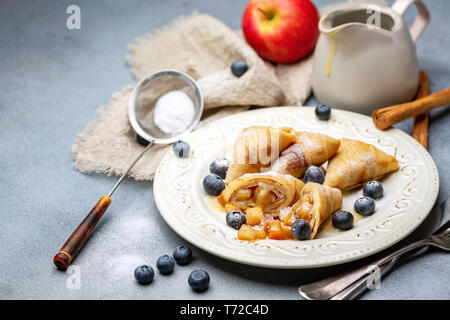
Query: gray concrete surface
x,y
53,79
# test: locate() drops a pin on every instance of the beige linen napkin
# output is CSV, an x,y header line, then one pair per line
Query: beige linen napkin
x,y
199,45
203,47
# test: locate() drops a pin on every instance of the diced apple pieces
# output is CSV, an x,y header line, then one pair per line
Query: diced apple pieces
x,y
275,230
286,233
244,194
289,219
246,233
260,232
254,216
259,226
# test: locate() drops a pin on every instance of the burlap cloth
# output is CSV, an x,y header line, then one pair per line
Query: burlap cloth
x,y
203,47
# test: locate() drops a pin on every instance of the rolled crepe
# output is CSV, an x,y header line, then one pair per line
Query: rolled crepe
x,y
356,163
309,149
317,203
256,147
269,191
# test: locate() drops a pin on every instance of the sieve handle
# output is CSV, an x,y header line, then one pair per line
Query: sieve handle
x,y
79,237
73,245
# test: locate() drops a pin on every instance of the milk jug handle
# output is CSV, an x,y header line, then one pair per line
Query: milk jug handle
x,y
423,16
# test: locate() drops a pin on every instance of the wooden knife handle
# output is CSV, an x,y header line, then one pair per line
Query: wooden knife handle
x,y
79,237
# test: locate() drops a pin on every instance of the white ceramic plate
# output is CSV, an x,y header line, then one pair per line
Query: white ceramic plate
x,y
409,193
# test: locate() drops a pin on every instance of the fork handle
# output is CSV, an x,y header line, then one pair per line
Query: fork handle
x,y
358,287
384,264
329,287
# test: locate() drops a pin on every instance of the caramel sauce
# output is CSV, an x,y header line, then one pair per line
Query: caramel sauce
x,y
331,53
214,203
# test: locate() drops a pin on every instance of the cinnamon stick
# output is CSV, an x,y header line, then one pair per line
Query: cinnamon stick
x,y
386,117
420,129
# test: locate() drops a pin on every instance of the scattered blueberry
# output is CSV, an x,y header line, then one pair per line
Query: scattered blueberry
x,y
220,167
182,255
236,219
181,149
213,184
314,174
238,68
301,229
144,274
342,220
165,264
365,206
323,111
141,141
199,280
373,189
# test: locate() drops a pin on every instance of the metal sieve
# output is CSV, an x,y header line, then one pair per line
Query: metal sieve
x,y
146,93
141,116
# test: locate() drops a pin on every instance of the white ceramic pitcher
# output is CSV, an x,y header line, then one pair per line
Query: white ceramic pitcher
x,y
365,57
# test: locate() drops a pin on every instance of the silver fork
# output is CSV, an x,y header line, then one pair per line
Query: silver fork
x,y
441,241
340,286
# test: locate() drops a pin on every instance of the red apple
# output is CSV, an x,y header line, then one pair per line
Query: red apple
x,y
281,31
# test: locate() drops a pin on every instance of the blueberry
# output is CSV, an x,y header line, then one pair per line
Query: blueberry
x,y
141,141
323,111
301,229
144,274
182,255
199,280
213,184
238,68
181,149
236,219
220,167
365,206
373,189
165,264
342,220
314,174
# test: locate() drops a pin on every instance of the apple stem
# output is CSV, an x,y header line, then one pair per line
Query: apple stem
x,y
268,15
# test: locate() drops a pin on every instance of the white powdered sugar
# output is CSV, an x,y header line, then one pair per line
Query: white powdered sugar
x,y
174,112
284,212
122,267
